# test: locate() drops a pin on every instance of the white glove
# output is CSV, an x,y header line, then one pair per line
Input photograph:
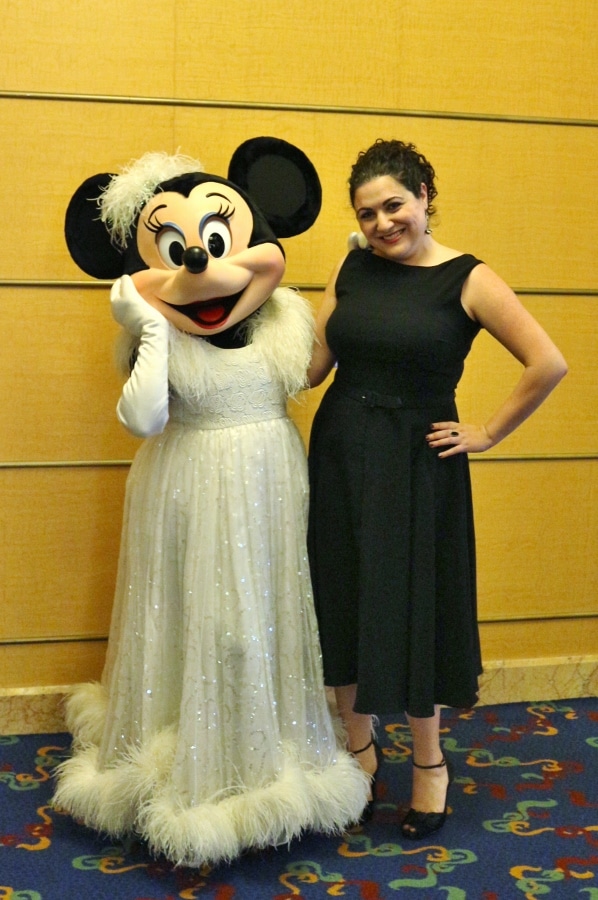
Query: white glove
x,y
129,308
357,241
143,405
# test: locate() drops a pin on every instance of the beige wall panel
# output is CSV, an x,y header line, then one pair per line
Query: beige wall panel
x,y
538,639
33,665
507,58
537,538
89,47
59,380
303,408
59,539
58,145
567,423
497,182
423,55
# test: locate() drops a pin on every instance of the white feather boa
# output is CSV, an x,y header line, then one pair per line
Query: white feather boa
x,y
282,330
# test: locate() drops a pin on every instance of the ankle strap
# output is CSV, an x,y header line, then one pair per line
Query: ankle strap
x,y
437,766
363,749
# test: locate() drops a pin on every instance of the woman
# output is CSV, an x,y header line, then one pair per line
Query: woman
x,y
391,527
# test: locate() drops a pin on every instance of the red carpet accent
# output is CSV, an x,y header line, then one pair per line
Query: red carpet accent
x,y
523,824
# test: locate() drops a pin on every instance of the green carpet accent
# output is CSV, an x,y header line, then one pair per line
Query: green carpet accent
x,y
523,824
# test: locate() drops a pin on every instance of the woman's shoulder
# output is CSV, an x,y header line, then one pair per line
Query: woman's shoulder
x,y
443,254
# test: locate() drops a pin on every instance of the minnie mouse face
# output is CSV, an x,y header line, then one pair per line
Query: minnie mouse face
x,y
201,249
205,273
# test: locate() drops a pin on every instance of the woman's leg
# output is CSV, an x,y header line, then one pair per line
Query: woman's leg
x,y
429,785
358,727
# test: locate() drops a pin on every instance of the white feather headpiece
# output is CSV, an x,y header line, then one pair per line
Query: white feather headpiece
x,y
128,192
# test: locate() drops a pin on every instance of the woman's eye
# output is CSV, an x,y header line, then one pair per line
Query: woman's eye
x,y
216,238
171,246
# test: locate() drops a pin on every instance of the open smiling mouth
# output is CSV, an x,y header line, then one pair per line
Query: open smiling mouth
x,y
209,313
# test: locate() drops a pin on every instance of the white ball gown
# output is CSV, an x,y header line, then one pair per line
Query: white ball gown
x,y
210,731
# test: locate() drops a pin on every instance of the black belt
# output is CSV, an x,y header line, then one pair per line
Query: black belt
x,y
388,401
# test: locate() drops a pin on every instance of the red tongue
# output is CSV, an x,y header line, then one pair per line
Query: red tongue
x,y
211,314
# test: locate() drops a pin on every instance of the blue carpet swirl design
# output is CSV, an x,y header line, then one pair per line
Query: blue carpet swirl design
x,y
523,823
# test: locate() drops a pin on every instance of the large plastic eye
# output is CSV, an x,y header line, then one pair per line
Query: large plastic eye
x,y
216,238
171,246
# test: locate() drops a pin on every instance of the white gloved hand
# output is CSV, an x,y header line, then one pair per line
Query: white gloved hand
x,y
357,241
143,405
129,308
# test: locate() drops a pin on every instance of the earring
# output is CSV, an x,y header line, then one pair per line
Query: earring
x,y
428,229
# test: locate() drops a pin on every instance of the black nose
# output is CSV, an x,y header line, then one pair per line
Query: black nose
x,y
195,259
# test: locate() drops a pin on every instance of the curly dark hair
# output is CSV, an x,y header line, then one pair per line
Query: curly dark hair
x,y
399,160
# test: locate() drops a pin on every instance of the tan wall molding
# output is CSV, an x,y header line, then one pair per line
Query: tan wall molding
x,y
126,463
297,107
316,287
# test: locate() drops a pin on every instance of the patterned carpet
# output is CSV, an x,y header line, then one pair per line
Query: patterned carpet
x,y
523,824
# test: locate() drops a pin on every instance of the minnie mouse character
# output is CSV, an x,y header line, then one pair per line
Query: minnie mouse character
x,y
210,732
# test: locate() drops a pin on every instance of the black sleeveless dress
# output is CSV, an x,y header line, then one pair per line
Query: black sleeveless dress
x,y
391,538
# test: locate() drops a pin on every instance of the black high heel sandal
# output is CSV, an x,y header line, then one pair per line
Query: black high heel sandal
x,y
368,811
417,825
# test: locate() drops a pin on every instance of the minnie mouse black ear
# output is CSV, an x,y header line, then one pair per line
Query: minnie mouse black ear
x,y
86,236
282,182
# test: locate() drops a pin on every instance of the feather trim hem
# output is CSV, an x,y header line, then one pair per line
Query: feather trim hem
x,y
138,795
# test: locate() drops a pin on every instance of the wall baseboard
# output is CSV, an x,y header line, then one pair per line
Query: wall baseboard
x,y
40,710
32,710
534,680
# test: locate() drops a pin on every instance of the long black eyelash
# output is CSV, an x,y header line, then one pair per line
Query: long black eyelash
x,y
226,213
156,226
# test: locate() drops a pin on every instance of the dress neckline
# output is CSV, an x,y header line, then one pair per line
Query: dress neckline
x,y
403,265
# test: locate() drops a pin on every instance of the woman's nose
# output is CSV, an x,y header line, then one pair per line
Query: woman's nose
x,y
383,222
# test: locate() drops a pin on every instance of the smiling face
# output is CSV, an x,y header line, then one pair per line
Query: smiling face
x,y
393,219
202,274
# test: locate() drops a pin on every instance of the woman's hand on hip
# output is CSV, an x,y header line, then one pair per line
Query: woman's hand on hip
x,y
458,437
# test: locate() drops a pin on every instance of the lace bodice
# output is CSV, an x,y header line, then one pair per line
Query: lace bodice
x,y
238,389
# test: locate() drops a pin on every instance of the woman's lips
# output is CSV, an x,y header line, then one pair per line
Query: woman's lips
x,y
392,238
